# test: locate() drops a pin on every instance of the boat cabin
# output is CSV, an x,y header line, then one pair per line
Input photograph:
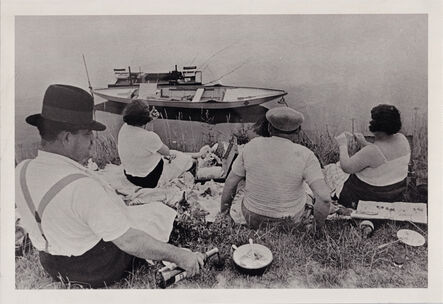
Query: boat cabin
x,y
188,76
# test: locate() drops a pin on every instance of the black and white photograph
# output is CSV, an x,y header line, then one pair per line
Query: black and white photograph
x,y
244,152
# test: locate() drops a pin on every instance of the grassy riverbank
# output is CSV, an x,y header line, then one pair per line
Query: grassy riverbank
x,y
338,259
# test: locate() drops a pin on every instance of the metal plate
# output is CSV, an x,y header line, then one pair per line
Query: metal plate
x,y
244,257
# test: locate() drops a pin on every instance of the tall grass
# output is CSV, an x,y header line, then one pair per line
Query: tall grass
x,y
104,150
26,151
190,136
420,148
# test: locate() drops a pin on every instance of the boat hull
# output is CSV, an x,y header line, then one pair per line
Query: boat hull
x,y
220,104
246,114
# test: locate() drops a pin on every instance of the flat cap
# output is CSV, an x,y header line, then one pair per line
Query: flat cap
x,y
284,118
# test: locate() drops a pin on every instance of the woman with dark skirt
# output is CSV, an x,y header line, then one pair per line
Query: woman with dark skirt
x,y
142,151
377,171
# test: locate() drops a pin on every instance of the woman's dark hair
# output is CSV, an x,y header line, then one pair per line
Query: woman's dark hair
x,y
49,130
137,113
261,127
385,118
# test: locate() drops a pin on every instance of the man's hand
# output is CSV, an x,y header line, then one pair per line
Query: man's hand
x,y
310,228
191,262
142,245
315,229
224,216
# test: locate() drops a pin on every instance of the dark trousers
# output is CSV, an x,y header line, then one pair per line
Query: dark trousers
x,y
150,180
100,266
256,221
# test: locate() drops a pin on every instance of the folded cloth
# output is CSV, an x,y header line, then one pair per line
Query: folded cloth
x,y
208,173
115,177
155,219
335,177
171,170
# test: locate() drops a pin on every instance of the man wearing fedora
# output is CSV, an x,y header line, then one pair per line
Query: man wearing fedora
x,y
75,221
274,169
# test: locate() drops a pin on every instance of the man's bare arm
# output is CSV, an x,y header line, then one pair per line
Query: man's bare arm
x,y
142,245
229,191
323,199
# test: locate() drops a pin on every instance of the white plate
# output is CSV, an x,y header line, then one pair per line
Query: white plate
x,y
411,237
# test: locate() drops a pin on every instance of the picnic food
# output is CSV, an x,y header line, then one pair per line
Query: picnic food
x,y
252,259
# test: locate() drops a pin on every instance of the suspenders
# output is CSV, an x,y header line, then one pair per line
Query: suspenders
x,y
52,192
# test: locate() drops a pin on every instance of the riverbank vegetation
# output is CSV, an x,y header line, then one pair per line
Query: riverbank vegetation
x,y
340,258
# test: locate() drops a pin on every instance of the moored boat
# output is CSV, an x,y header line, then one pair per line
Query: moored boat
x,y
181,95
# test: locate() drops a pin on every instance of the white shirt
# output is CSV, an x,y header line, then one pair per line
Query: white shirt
x,y
137,149
79,216
275,169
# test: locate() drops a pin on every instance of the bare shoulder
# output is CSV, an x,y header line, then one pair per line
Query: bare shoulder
x,y
371,150
400,136
403,140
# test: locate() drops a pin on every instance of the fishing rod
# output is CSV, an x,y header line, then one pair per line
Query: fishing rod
x,y
90,86
87,75
193,59
204,65
230,72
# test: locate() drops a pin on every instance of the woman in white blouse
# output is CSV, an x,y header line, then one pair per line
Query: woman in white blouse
x,y
377,171
142,151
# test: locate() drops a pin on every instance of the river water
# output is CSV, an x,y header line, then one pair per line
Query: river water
x,y
335,68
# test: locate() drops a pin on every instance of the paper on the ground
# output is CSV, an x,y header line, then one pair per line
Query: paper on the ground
x,y
397,211
211,202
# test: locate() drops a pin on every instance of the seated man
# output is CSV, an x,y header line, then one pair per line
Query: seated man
x,y
78,225
274,169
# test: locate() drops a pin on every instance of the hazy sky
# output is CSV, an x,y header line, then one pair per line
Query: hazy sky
x,y
334,67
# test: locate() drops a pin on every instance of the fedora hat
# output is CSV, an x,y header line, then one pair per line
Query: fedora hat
x,y
67,105
284,118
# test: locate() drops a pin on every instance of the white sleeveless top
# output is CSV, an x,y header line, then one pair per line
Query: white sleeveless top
x,y
390,172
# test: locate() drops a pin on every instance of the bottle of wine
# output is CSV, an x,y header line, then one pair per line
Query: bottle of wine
x,y
169,275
